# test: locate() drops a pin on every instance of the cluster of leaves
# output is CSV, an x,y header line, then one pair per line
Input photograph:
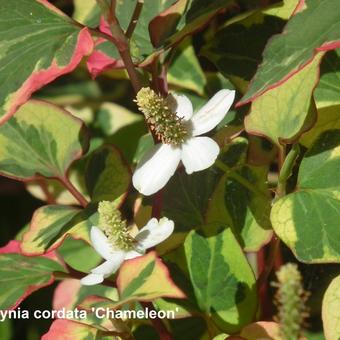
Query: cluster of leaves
x,y
277,176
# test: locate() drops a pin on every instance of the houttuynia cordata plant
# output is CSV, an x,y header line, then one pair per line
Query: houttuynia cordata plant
x,y
170,169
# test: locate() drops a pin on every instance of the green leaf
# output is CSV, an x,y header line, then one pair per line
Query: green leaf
x,y
185,70
186,197
6,330
316,27
236,49
307,220
330,310
282,10
21,276
145,143
86,12
43,44
51,224
222,279
107,175
75,251
284,112
327,92
41,140
328,119
183,18
242,202
122,127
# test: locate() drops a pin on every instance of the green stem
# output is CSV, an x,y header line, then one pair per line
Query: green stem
x,y
281,185
286,170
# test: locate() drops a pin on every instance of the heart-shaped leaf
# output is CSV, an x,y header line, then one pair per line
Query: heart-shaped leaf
x,y
41,140
307,219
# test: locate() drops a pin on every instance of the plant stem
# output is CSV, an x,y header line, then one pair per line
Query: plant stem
x,y
157,323
49,197
120,41
274,247
281,186
159,76
134,18
74,191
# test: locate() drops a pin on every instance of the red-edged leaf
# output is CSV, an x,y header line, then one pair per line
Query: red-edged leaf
x,y
105,55
41,140
42,45
50,226
181,19
65,295
22,275
70,293
62,329
146,278
260,330
314,28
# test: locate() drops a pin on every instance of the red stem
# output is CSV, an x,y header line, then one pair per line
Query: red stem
x,y
157,203
74,191
157,323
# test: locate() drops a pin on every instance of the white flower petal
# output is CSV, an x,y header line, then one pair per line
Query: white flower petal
x,y
109,267
212,112
199,153
101,243
92,279
184,107
133,254
155,232
156,168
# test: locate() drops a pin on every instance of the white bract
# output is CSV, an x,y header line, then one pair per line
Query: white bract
x,y
196,153
153,233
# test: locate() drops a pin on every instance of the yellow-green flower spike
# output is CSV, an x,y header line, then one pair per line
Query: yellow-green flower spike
x,y
163,121
290,301
110,221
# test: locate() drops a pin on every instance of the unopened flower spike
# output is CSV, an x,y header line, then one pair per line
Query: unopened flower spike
x,y
111,240
291,303
178,130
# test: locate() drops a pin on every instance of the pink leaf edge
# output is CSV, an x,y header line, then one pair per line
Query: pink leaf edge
x,y
98,61
42,77
13,247
326,46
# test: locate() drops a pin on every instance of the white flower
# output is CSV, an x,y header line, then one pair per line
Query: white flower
x,y
196,153
153,233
